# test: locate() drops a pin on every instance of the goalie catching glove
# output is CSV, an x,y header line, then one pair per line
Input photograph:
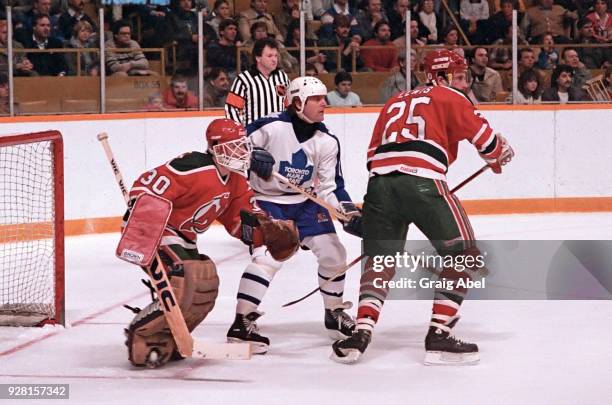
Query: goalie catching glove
x,y
354,225
279,236
505,156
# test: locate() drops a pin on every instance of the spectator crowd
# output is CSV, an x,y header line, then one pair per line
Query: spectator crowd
x,y
560,43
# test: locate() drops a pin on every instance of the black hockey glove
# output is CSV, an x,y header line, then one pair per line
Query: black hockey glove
x,y
354,225
262,163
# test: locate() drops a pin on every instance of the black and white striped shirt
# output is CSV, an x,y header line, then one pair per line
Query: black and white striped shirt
x,y
252,96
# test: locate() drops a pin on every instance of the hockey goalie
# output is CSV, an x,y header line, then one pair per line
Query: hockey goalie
x,y
173,203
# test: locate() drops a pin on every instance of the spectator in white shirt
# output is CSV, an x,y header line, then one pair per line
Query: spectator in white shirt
x,y
342,96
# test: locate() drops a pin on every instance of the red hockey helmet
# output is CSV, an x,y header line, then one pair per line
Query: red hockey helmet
x,y
229,145
443,61
223,130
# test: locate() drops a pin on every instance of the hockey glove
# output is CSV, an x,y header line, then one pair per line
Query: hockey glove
x,y
279,236
262,163
506,155
354,225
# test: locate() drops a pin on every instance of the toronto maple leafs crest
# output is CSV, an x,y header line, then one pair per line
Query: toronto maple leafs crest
x,y
298,171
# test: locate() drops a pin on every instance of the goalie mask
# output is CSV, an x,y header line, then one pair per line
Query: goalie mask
x,y
229,145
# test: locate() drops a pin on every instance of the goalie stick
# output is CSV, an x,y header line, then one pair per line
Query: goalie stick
x,y
351,264
186,346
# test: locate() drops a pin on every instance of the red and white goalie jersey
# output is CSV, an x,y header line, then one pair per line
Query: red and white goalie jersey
x,y
199,196
418,133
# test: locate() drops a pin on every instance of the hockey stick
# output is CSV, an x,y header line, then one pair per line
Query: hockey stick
x,y
310,196
160,282
351,264
332,278
472,177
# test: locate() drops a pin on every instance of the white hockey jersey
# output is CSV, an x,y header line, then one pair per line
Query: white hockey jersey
x,y
313,163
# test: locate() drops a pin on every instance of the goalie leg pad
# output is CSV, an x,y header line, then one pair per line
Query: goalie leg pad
x,y
149,340
196,286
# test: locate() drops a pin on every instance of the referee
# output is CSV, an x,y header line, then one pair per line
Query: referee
x,y
259,91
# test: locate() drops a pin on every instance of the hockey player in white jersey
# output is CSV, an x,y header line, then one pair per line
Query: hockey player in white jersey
x,y
308,154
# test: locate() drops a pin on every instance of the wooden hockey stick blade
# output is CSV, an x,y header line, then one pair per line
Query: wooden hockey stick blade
x,y
221,351
332,278
472,177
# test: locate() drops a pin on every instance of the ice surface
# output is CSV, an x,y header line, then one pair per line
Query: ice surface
x,y
532,352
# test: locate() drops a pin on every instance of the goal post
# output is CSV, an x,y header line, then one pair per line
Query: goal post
x,y
31,229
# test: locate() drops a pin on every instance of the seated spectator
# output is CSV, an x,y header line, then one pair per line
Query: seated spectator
x,y
45,63
581,74
123,54
316,58
397,81
339,7
397,18
82,37
367,19
222,11
23,24
258,12
473,14
319,7
178,96
451,40
342,96
290,13
222,53
547,17
71,16
21,64
561,89
182,26
526,61
428,18
346,46
259,30
416,37
593,58
216,87
602,21
380,59
529,88
486,81
154,103
498,24
548,57
500,57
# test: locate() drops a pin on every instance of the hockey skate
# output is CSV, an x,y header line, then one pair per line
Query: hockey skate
x,y
442,348
348,351
338,323
244,330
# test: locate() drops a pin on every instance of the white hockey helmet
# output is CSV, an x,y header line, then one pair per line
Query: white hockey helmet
x,y
304,87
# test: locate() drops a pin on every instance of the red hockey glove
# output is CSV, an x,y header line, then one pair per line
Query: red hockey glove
x,y
506,155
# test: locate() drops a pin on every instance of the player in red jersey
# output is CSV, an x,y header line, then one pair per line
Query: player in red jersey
x,y
203,188
415,140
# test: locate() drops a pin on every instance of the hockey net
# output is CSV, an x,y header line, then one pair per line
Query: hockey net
x,y
31,229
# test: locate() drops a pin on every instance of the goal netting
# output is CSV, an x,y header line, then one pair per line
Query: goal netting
x,y
31,229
